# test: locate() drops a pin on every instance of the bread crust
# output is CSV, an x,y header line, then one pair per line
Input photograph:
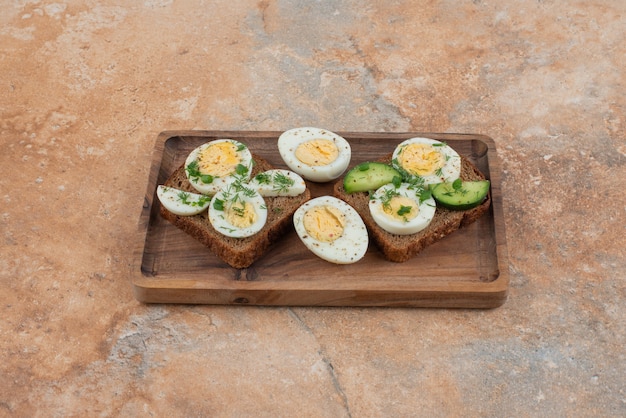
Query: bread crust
x,y
237,252
400,248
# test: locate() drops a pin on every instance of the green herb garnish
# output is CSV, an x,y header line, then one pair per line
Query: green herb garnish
x,y
184,196
282,183
248,192
387,196
218,204
241,169
424,194
404,210
194,173
239,210
414,181
263,178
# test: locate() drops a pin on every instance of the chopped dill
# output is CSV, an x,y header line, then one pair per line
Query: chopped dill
x,y
424,194
239,210
263,178
248,192
184,197
195,174
387,196
241,169
218,204
404,210
282,182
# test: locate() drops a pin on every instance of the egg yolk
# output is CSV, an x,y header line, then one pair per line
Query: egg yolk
x,y
317,152
324,223
241,214
421,159
219,160
401,208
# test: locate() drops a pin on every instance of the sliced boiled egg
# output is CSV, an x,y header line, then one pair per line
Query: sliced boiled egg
x,y
237,211
402,210
182,203
331,229
278,182
211,166
316,154
431,160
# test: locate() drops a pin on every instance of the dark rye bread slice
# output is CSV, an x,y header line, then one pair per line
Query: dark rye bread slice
x,y
237,252
400,248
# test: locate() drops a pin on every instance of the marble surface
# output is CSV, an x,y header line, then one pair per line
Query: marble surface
x,y
86,88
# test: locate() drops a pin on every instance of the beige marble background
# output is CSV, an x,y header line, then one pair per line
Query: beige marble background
x,y
86,86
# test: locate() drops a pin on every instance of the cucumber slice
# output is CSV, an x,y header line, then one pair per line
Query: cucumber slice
x,y
460,195
369,176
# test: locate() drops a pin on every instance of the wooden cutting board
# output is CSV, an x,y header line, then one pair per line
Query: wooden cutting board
x,y
467,269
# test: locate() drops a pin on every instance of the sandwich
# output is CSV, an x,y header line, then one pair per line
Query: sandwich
x,y
415,196
232,201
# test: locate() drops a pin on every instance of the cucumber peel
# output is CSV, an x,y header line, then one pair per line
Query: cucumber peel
x,y
368,176
460,195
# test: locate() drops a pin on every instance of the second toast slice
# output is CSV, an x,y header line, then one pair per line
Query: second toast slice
x,y
400,248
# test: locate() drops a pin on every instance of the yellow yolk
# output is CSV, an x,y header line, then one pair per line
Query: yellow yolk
x,y
219,160
324,223
401,208
317,152
241,214
421,159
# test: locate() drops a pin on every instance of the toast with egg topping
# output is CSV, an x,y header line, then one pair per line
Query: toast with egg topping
x,y
400,248
237,252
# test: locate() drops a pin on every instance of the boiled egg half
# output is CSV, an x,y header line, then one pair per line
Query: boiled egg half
x,y
331,229
181,202
316,154
211,166
432,160
278,182
237,211
402,210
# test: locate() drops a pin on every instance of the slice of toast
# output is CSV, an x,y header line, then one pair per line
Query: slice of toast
x,y
237,252
400,248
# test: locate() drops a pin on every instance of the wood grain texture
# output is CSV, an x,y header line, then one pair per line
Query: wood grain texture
x,y
467,269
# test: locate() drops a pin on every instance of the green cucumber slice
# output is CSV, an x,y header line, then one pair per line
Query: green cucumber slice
x,y
460,195
368,176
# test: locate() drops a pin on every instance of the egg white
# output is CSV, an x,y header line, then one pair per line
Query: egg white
x,y
349,248
216,182
218,209
289,141
451,169
425,215
182,203
278,182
